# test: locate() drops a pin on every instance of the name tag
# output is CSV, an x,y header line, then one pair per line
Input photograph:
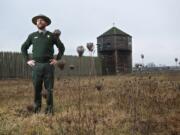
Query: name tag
x,y
35,37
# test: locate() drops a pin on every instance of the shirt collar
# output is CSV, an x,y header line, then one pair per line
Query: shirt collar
x,y
42,31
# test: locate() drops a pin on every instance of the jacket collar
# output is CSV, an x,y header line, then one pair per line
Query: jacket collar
x,y
42,31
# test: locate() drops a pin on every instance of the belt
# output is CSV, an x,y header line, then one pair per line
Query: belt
x,y
42,59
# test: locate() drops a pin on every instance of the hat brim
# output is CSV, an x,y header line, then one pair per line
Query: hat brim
x,y
45,18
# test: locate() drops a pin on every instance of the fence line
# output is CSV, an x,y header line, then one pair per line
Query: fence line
x,y
12,65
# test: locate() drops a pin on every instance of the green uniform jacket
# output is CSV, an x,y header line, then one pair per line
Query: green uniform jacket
x,y
43,46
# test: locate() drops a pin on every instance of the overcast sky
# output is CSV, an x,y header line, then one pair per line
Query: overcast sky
x,y
153,24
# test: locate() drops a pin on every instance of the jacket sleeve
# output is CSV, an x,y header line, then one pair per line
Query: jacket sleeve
x,y
60,47
25,46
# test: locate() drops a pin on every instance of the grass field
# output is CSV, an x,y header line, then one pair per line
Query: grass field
x,y
125,105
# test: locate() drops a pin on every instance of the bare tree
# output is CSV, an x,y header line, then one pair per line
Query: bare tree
x,y
142,57
176,60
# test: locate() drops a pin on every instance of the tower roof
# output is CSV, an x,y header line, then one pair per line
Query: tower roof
x,y
114,31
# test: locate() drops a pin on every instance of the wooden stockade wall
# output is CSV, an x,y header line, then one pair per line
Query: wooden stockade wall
x,y
12,65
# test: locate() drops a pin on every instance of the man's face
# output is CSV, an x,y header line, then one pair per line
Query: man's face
x,y
41,24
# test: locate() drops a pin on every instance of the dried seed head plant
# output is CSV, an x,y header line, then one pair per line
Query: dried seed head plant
x,y
30,108
61,64
176,60
142,56
57,33
99,85
90,47
72,67
80,50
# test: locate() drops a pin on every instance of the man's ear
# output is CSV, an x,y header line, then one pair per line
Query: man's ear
x,y
36,22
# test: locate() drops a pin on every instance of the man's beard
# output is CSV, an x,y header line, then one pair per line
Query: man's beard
x,y
41,27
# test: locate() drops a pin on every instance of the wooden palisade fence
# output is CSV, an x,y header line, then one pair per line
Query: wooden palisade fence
x,y
12,65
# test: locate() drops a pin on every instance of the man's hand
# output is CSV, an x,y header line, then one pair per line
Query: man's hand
x,y
53,62
31,63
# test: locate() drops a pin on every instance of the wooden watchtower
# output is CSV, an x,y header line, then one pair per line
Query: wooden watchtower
x,y
115,51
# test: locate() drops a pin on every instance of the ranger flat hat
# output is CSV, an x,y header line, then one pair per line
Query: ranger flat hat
x,y
47,19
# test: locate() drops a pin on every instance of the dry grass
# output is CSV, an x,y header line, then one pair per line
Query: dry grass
x,y
126,105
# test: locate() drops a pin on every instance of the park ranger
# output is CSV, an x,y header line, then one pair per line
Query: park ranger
x,y
42,60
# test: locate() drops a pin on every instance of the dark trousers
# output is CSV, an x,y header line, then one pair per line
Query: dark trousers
x,y
43,73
